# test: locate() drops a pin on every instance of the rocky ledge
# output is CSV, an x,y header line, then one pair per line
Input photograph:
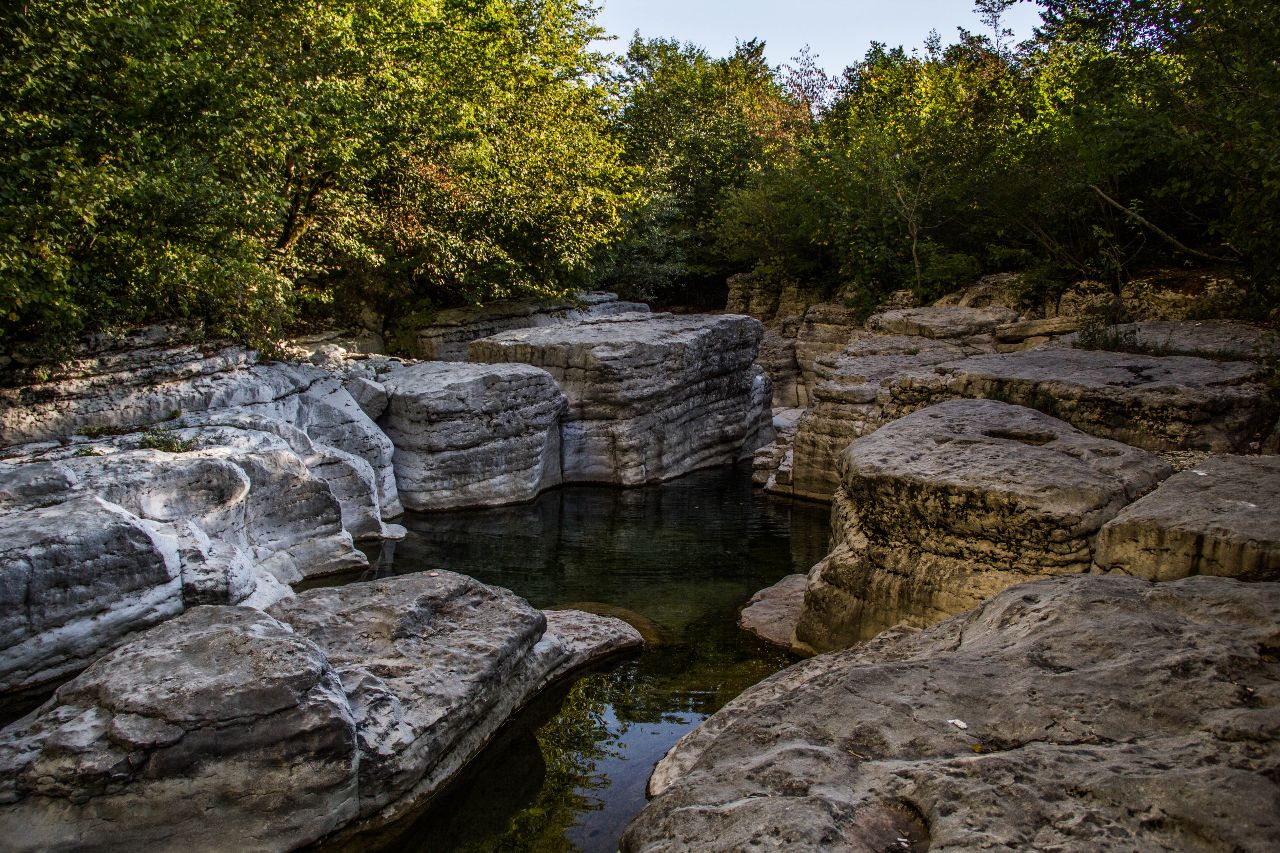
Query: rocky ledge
x,y
942,509
650,397
332,713
1070,713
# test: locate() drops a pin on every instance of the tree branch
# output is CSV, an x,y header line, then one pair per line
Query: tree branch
x,y
1165,235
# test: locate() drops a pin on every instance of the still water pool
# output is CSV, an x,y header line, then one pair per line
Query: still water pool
x,y
681,558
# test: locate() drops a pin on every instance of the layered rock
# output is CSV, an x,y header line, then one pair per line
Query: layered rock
x,y
649,396
1219,518
345,706
1056,716
450,333
950,505
473,434
942,321
1215,339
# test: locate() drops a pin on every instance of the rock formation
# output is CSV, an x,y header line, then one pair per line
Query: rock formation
x,y
473,434
650,397
450,333
343,707
1070,713
1222,517
952,504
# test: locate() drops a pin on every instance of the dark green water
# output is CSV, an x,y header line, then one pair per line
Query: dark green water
x,y
570,772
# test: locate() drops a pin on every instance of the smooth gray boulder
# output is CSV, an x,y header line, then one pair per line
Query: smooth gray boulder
x,y
650,397
956,502
1079,713
338,712
473,434
1222,517
772,613
222,714
76,578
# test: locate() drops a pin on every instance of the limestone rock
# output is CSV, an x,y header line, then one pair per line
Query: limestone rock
x,y
959,501
999,290
650,396
473,434
825,331
1216,339
449,335
220,712
1084,727
942,321
773,612
1158,403
76,578
433,664
1219,518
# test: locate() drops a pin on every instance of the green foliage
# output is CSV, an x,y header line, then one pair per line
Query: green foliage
x,y
160,438
238,160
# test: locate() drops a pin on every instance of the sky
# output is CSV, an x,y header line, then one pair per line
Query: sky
x,y
838,31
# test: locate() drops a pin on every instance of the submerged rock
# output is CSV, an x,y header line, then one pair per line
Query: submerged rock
x,y
473,434
338,711
1222,517
650,397
958,501
1071,713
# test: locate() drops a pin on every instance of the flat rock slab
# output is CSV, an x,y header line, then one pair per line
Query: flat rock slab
x,y
773,612
473,434
1058,715
942,321
1154,402
1216,339
959,501
1221,517
650,396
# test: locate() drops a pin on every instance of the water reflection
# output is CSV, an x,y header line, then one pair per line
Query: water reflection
x,y
682,558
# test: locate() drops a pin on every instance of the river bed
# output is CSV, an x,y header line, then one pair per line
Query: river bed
x,y
680,558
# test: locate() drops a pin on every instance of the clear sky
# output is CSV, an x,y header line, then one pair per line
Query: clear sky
x,y
838,31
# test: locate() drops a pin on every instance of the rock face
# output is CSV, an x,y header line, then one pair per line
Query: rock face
x,y
942,321
957,502
473,434
772,613
1059,715
1209,338
448,337
343,707
649,396
1219,518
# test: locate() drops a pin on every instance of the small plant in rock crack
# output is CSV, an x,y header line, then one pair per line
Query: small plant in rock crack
x,y
165,440
86,451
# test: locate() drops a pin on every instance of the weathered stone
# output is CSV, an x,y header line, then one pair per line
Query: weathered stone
x,y
1180,295
433,664
1216,339
959,501
1076,713
941,321
773,612
1032,330
825,331
999,290
473,434
650,396
220,714
1148,401
1219,518
75,579
451,332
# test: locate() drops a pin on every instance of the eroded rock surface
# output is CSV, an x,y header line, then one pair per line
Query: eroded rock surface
x,y
473,434
1221,517
773,612
957,502
334,713
1071,713
650,397
952,321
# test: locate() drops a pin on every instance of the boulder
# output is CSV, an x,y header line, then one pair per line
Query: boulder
x,y
650,397
473,434
221,714
450,333
1219,518
773,612
957,502
334,714
1075,713
76,578
951,321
